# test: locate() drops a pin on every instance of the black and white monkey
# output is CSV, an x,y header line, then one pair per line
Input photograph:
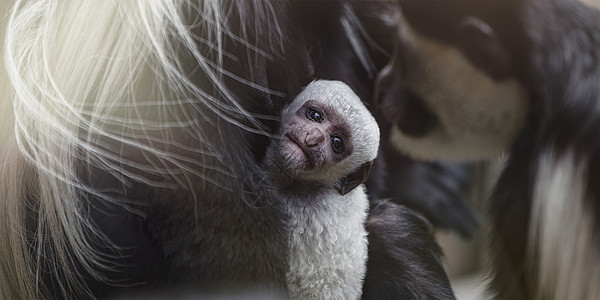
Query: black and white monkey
x,y
481,78
322,155
132,140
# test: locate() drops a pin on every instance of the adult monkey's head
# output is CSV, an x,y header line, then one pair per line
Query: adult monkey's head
x,y
453,87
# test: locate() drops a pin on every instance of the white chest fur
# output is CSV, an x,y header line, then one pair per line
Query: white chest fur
x,y
328,247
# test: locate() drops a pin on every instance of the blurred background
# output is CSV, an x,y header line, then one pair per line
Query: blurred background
x,y
465,259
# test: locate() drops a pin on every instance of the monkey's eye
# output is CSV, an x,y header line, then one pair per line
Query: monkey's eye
x,y
337,144
314,115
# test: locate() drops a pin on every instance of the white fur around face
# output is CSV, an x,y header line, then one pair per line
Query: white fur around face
x,y
328,246
478,116
565,247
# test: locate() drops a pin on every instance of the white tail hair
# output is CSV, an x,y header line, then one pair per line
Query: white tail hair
x,y
79,70
562,245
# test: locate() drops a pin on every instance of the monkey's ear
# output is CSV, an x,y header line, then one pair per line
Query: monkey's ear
x,y
354,179
480,44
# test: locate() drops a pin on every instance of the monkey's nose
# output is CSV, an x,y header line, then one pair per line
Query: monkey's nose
x,y
313,137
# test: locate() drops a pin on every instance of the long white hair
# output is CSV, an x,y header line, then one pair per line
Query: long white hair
x,y
82,71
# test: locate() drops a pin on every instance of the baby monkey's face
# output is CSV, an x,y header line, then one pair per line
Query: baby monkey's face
x,y
327,137
315,138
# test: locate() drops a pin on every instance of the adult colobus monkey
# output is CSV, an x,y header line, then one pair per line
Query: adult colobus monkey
x,y
130,158
485,77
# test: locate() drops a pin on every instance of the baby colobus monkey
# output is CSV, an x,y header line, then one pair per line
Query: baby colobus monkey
x,y
328,141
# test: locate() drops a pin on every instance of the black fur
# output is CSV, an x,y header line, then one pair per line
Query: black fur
x,y
402,265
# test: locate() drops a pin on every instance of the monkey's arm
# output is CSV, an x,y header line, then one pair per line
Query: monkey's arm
x,y
404,260
436,189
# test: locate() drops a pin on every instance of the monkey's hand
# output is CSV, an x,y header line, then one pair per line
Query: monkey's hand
x,y
437,190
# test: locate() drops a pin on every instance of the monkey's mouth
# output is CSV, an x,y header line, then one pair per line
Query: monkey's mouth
x,y
299,151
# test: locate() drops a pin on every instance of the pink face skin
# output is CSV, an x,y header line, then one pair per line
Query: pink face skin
x,y
315,137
